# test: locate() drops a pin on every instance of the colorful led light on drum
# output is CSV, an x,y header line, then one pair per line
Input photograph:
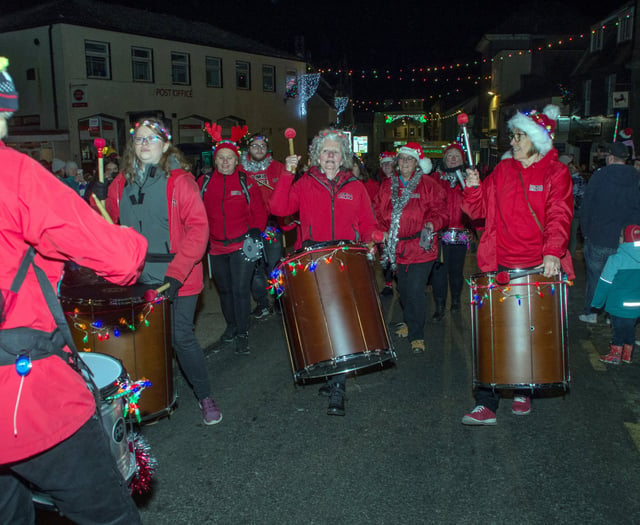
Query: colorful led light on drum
x,y
331,310
118,321
519,330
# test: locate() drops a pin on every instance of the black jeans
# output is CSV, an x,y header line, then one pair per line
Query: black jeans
x,y
188,350
449,273
232,273
412,280
80,476
623,331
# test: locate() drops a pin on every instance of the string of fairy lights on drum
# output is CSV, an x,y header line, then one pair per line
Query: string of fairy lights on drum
x,y
275,285
478,299
102,330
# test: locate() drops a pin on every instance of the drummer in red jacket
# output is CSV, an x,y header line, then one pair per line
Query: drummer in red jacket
x,y
333,205
50,434
157,196
527,202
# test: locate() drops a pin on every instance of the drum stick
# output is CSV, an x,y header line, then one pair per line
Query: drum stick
x,y
103,211
503,278
100,143
463,119
151,295
290,134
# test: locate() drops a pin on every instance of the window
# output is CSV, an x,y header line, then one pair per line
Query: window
x,y
213,71
291,84
587,98
610,88
243,75
180,68
268,78
625,27
597,38
141,64
98,59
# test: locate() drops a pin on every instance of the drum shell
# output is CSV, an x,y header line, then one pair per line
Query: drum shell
x,y
332,315
146,352
522,340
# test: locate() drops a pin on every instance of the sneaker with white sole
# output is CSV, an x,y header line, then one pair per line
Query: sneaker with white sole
x,y
402,330
589,318
521,405
211,414
480,415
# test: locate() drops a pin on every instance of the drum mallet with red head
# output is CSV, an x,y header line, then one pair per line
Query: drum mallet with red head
x,y
290,134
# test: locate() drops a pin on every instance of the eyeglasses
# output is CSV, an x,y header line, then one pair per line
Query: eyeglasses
x,y
516,136
151,139
258,146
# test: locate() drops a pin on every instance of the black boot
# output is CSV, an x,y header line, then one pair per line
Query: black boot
x,y
455,305
336,400
439,313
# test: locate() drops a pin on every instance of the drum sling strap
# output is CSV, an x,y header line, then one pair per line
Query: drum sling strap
x,y
36,344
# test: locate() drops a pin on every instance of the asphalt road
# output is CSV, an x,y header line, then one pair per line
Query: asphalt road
x,y
401,454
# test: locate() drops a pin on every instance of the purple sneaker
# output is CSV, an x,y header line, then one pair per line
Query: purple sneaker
x,y
211,414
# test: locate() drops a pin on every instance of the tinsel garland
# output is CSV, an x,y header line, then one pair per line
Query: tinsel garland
x,y
398,202
145,465
254,166
449,174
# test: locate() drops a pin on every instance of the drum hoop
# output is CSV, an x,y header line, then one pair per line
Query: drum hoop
x,y
111,387
323,246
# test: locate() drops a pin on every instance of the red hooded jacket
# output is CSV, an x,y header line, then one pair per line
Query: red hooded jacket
x,y
188,227
36,209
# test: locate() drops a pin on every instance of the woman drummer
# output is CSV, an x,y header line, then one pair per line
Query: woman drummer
x,y
156,195
408,202
527,203
333,205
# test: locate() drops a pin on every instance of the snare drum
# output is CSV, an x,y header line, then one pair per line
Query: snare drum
x,y
456,236
519,331
331,310
116,320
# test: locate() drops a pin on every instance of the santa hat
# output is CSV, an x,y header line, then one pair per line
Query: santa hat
x,y
632,233
413,149
8,93
387,156
454,146
539,127
626,133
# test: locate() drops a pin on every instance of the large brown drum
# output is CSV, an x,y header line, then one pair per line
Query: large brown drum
x,y
331,310
117,321
519,330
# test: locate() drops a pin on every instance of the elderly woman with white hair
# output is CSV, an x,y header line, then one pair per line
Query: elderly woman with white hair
x,y
527,204
333,205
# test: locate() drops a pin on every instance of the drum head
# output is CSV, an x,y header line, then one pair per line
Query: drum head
x,y
105,369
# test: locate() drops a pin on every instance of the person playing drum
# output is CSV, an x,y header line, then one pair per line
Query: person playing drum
x,y
157,195
333,205
527,203
51,436
454,241
408,202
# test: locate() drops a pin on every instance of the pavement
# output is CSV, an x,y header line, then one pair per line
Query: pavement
x,y
401,454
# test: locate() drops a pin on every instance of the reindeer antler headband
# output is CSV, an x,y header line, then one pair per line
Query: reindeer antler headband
x,y
215,131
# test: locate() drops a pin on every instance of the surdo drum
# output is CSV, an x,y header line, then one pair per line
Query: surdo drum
x,y
331,310
519,330
118,321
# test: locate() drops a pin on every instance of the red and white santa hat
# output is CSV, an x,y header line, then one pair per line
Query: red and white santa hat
x,y
626,133
387,156
632,233
413,149
539,127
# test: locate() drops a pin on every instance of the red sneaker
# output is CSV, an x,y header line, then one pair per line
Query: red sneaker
x,y
521,405
480,415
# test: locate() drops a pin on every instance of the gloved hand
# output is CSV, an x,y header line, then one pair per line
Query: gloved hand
x,y
100,190
174,286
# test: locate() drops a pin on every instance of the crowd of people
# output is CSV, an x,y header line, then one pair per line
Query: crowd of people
x,y
416,222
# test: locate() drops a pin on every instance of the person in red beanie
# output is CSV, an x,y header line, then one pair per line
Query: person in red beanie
x,y
618,292
455,240
527,203
51,434
408,202
235,210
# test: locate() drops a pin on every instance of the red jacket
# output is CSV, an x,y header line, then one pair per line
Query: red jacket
x,y
39,210
328,211
456,217
511,237
230,215
373,187
188,227
427,204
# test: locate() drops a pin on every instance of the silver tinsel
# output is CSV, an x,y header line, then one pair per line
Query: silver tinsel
x,y
398,202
